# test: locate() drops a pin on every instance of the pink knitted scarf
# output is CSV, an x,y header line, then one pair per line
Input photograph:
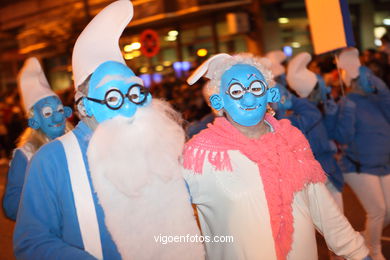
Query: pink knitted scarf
x,y
285,160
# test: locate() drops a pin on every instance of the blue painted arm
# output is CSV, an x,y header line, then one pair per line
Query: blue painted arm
x,y
15,182
305,116
38,227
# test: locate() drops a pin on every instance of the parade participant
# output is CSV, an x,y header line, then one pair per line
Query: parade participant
x,y
111,188
255,178
312,87
364,127
46,120
277,59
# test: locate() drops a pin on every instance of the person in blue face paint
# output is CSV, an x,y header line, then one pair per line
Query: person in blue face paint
x,y
254,178
312,87
111,188
363,127
46,121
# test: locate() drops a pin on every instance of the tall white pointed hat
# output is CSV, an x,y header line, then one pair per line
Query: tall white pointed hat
x,y
349,62
299,78
277,58
207,68
33,84
99,41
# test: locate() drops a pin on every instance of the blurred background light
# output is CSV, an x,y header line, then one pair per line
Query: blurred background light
x,y
159,68
177,65
201,52
147,79
132,47
143,69
157,78
173,33
283,20
295,44
288,51
128,56
185,65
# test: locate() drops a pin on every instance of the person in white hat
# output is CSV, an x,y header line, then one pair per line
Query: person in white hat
x,y
311,86
363,127
255,178
46,120
112,187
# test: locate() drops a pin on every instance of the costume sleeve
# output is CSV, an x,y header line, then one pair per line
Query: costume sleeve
x,y
339,235
38,227
15,182
344,128
305,116
384,94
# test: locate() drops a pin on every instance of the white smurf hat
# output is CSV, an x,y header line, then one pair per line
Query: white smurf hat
x,y
277,58
207,68
33,84
349,62
99,41
299,78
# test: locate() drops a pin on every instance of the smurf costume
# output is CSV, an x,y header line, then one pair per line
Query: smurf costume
x,y
46,120
312,87
111,188
363,127
266,192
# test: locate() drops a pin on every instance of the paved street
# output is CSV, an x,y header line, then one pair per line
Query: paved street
x,y
353,210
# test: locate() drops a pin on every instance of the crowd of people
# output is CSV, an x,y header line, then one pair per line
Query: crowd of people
x,y
260,146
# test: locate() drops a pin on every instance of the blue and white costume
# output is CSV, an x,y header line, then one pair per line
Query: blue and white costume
x,y
47,226
363,127
312,87
112,188
46,120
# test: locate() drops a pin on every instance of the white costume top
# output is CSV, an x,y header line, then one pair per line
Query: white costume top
x,y
233,203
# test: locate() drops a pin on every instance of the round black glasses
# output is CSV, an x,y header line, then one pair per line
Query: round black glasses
x,y
237,90
114,99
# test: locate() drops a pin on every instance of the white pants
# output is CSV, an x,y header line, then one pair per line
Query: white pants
x,y
374,195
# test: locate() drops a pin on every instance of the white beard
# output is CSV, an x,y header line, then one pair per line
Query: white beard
x,y
135,170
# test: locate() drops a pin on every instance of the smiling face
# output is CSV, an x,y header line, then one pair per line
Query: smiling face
x,y
50,116
114,90
244,94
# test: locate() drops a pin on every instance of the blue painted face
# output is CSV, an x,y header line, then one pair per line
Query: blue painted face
x,y
285,102
244,95
50,116
364,81
114,90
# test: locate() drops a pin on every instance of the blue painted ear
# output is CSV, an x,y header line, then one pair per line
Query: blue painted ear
x,y
273,95
87,106
67,112
216,102
34,124
148,100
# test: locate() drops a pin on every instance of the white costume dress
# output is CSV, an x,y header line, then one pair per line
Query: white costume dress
x,y
233,202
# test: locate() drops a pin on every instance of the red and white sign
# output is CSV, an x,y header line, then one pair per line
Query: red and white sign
x,y
150,43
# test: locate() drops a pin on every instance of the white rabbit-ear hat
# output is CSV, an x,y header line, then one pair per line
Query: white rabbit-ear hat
x,y
299,78
99,41
277,58
33,84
